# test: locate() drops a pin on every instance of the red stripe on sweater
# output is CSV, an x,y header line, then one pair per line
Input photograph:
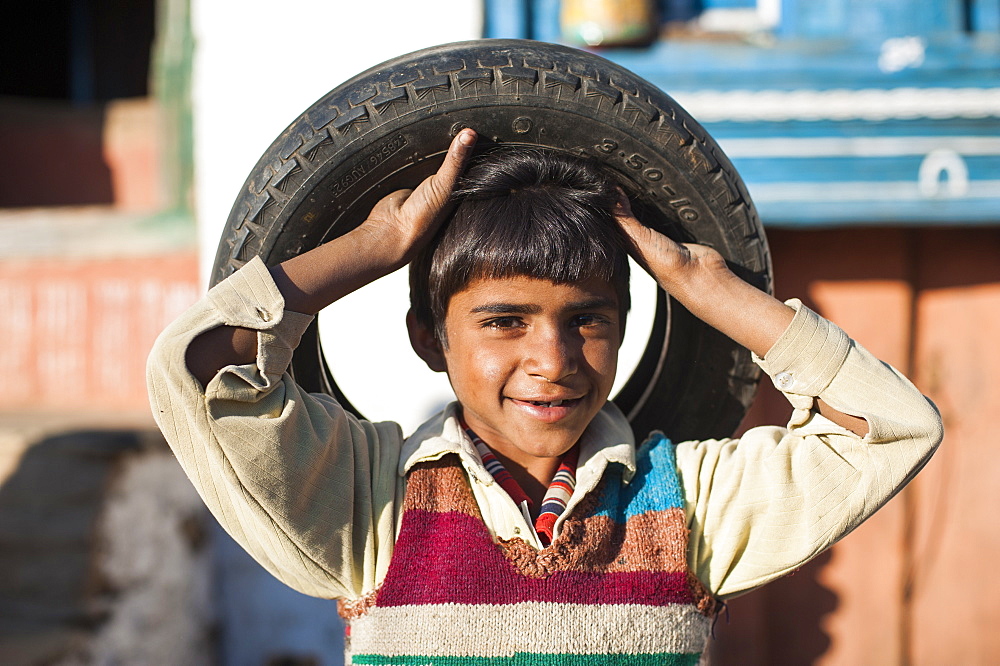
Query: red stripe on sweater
x,y
469,568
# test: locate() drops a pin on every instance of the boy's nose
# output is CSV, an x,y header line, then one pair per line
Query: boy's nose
x,y
550,355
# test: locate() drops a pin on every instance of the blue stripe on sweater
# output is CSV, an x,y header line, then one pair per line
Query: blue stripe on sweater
x,y
655,487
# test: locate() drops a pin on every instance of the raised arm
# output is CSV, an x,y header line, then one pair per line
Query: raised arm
x,y
697,276
761,506
310,491
397,227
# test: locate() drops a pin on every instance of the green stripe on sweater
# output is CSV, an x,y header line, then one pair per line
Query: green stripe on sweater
x,y
535,659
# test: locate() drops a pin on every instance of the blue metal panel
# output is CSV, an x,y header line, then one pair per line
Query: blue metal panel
x,y
870,19
858,112
678,10
816,19
506,19
545,25
952,61
828,135
984,16
845,170
825,172
856,132
729,4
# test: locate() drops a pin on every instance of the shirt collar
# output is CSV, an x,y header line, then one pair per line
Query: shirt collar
x,y
608,439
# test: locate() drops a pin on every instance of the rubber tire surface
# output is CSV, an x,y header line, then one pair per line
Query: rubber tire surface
x,y
390,126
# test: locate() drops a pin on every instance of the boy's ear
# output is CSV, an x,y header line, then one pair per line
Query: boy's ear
x,y
425,343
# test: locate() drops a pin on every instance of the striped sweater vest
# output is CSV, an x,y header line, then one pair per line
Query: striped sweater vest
x,y
613,588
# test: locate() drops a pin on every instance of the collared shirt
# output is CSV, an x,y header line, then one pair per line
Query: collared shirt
x,y
556,495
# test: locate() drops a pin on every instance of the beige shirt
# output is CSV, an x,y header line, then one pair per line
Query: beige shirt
x,y
314,494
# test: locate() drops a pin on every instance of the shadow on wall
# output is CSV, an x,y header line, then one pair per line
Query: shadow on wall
x,y
781,623
108,555
263,621
103,554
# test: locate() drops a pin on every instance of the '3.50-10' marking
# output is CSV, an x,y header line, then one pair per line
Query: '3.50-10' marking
x,y
638,163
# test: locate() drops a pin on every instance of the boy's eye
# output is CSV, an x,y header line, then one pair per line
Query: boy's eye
x,y
503,322
589,320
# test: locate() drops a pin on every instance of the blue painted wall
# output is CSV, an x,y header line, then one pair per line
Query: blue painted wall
x,y
845,111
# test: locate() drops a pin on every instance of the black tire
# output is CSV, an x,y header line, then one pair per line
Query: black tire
x,y
389,127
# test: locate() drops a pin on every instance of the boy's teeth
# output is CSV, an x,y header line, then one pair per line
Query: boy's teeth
x,y
554,403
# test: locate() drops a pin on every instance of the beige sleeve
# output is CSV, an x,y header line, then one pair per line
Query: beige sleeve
x,y
306,488
762,506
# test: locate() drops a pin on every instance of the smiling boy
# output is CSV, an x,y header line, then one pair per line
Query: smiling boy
x,y
531,363
523,524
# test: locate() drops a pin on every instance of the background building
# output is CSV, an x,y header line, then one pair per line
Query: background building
x,y
868,137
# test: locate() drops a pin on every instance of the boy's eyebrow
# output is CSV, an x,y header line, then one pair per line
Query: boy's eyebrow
x,y
598,303
506,308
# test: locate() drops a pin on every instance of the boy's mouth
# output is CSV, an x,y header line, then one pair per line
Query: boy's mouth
x,y
562,403
552,403
549,411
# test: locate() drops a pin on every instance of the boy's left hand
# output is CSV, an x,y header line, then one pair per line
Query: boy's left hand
x,y
671,264
698,277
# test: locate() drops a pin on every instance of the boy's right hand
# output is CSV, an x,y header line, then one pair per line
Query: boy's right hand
x,y
405,220
398,226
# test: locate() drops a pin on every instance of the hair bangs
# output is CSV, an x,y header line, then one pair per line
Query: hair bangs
x,y
555,239
524,212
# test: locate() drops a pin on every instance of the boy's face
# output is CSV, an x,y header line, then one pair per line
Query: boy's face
x,y
531,361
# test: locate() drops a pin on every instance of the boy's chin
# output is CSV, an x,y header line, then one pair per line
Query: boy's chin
x,y
521,441
544,440
524,430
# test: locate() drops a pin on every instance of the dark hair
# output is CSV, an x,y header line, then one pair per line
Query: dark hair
x,y
523,211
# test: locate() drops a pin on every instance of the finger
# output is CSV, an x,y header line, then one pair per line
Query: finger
x,y
633,227
458,154
622,212
624,207
638,235
399,196
438,187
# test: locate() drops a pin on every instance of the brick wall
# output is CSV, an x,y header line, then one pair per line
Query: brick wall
x,y
77,331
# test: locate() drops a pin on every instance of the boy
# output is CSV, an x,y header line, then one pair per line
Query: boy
x,y
522,524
